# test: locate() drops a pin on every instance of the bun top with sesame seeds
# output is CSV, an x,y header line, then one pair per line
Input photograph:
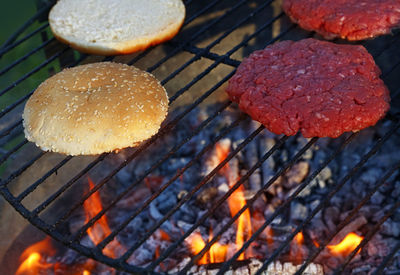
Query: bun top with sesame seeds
x,y
95,108
109,27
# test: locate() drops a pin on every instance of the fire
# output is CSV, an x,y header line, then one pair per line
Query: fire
x,y
236,202
216,253
196,245
100,229
297,250
32,258
346,246
299,238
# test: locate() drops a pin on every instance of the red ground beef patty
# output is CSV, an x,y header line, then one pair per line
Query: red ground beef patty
x,y
320,88
349,19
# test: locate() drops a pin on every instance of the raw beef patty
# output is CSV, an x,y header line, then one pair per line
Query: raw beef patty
x,y
348,19
320,88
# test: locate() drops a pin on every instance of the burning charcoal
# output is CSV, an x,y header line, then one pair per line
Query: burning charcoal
x,y
296,174
377,246
277,268
154,213
134,198
325,174
391,228
353,226
331,217
250,267
251,157
166,201
188,214
267,167
207,195
298,211
377,198
181,194
276,188
223,188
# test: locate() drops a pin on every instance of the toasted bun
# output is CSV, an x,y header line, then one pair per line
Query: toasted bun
x,y
95,108
109,27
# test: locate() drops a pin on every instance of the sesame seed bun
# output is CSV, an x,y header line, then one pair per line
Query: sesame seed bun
x,y
110,27
95,108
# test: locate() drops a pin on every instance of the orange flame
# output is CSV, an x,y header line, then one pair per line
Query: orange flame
x,y
297,251
196,245
346,246
299,238
216,253
100,229
236,201
32,259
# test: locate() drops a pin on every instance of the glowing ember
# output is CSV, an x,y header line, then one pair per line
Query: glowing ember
x,y
345,247
299,238
100,229
297,251
85,272
32,260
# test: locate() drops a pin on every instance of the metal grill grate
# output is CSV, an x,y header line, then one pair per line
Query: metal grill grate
x,y
205,42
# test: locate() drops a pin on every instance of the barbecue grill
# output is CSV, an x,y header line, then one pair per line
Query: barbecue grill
x,y
215,37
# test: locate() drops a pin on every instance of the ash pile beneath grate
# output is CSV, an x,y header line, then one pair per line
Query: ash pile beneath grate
x,y
321,226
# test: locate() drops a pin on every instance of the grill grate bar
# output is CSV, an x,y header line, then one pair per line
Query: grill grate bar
x,y
386,260
213,56
42,65
220,38
197,34
367,238
176,49
28,23
216,63
291,162
8,130
32,187
387,73
205,179
47,202
11,46
387,46
348,218
196,131
12,151
332,192
24,57
172,247
15,104
279,210
170,125
10,107
22,169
